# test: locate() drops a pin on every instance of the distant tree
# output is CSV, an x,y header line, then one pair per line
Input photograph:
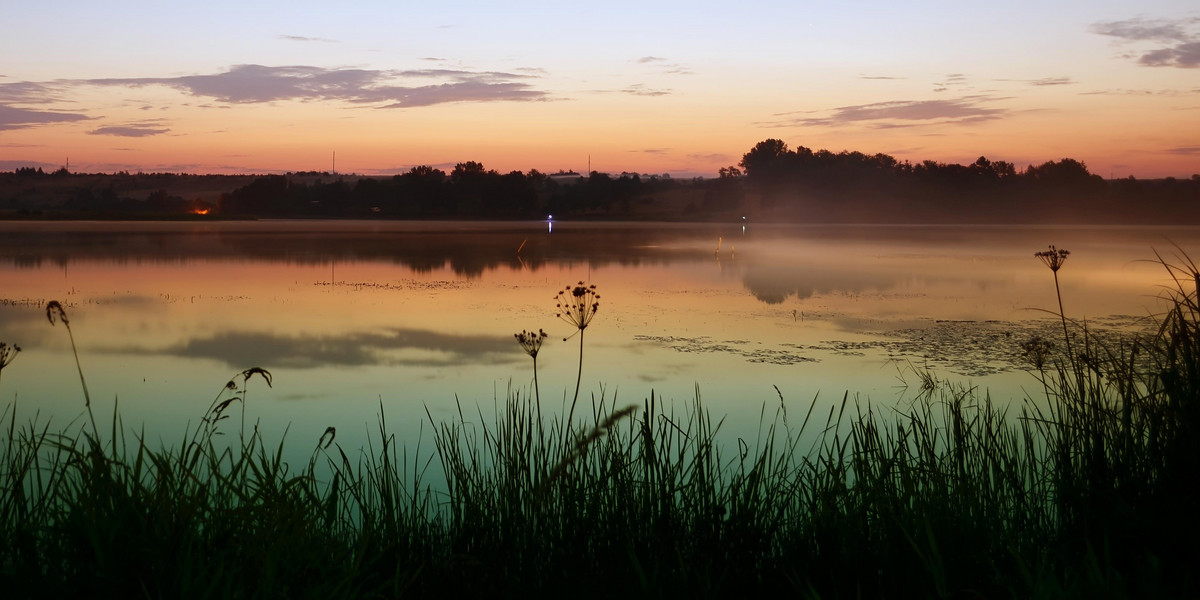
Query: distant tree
x,y
726,192
1067,171
765,159
469,183
263,196
729,172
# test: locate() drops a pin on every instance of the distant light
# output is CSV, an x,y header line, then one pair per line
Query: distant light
x,y
549,217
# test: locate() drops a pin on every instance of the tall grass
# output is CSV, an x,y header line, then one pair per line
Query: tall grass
x,y
1084,493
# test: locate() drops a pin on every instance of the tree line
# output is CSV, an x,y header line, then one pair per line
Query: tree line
x,y
824,186
469,191
771,181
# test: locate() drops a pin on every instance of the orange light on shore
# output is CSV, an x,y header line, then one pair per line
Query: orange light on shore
x,y
200,211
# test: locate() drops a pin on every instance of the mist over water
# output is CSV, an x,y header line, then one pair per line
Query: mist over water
x,y
353,316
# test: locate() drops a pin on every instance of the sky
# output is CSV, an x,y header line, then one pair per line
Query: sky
x,y
685,88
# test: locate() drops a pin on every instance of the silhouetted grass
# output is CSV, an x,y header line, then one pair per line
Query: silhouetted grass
x,y
1085,493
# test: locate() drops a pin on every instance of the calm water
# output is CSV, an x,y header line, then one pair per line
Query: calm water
x,y
352,316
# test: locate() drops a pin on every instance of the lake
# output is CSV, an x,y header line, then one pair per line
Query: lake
x,y
352,316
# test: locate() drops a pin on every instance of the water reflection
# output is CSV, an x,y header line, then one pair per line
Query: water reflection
x,y
414,315
409,347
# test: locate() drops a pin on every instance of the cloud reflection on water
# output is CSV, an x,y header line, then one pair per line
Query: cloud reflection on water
x,y
412,347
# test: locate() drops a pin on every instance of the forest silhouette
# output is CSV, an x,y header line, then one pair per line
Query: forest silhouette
x,y
770,182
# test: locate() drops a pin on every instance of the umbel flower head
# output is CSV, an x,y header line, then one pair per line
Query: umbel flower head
x,y
1053,258
531,342
577,305
8,353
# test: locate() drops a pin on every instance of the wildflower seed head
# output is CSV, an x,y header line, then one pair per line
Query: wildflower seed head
x,y
531,342
55,310
261,372
577,305
1036,350
326,438
8,353
1053,258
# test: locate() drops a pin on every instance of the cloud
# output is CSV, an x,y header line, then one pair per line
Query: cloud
x,y
129,131
885,77
12,117
666,69
639,89
1185,150
250,83
905,113
1143,92
28,92
1177,40
1051,81
301,38
713,156
951,80
1185,56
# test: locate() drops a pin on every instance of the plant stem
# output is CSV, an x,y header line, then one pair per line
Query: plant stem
x,y
578,380
1063,315
87,398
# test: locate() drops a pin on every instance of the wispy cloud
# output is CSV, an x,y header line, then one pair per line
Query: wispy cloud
x,y
950,80
1045,81
639,89
1176,41
1185,150
31,92
883,77
906,113
387,89
12,117
664,66
303,38
1142,92
136,130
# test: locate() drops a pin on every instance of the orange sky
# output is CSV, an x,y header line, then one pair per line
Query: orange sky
x,y
661,87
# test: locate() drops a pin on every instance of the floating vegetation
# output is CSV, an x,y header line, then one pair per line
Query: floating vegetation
x,y
741,348
966,348
401,285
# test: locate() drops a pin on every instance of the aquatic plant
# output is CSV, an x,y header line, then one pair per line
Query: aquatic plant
x,y
8,354
55,311
531,343
1054,259
577,306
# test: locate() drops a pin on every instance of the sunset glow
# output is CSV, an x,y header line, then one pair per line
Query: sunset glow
x,y
662,87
